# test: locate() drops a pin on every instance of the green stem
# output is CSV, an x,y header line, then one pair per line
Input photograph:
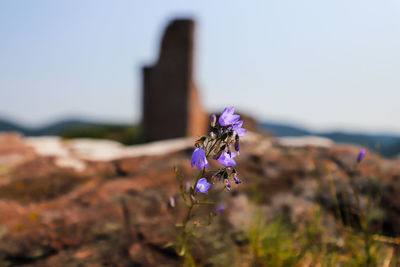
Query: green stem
x,y
188,215
363,221
193,202
212,147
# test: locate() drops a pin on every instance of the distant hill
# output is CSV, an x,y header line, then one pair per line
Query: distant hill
x,y
61,127
75,128
386,145
51,129
284,129
7,126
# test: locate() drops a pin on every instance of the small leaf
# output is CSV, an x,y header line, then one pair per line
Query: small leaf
x,y
169,244
182,252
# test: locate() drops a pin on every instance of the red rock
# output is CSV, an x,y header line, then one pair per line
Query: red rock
x,y
117,211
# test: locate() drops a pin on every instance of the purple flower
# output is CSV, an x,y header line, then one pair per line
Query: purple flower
x,y
202,186
361,155
199,159
227,117
219,210
238,130
227,160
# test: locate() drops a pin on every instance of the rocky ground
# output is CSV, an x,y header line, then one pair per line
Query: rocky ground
x,y
98,203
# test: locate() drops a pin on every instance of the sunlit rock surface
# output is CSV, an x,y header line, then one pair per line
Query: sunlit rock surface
x,y
96,202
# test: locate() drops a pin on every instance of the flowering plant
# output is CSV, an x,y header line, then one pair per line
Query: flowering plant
x,y
223,145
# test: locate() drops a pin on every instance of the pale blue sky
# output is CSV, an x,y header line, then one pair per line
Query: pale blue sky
x,y
322,64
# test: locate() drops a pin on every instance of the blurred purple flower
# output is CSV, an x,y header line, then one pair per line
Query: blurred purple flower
x,y
227,160
187,186
203,186
227,117
199,159
361,155
220,209
213,120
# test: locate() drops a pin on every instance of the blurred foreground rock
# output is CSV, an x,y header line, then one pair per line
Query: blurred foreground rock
x,y
98,203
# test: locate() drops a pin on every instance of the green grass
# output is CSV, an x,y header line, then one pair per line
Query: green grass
x,y
281,243
127,135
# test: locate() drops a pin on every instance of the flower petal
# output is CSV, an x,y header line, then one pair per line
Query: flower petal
x,y
202,185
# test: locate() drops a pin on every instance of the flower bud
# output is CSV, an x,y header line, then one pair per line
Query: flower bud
x,y
227,184
172,202
213,120
237,180
212,135
226,175
237,145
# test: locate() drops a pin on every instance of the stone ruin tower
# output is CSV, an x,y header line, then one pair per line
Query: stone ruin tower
x,y
171,102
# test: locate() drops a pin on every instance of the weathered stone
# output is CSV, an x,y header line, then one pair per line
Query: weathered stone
x,y
171,103
116,211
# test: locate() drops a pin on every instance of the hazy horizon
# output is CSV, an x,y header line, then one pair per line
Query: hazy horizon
x,y
321,66
284,122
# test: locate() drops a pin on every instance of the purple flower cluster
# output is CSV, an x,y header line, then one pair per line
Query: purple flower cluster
x,y
224,137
